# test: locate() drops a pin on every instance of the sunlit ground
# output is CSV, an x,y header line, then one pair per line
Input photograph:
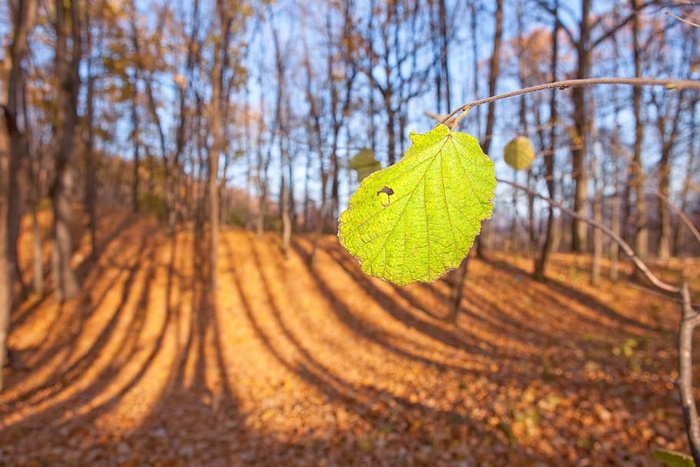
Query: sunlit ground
x,y
290,364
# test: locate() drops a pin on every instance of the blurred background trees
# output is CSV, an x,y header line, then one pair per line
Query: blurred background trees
x,y
248,113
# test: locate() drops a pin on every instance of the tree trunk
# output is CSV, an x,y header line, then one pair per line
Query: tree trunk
x,y
579,228
668,127
444,54
286,218
598,217
461,275
546,249
493,79
216,148
636,183
91,177
615,221
67,71
135,138
678,242
12,147
664,174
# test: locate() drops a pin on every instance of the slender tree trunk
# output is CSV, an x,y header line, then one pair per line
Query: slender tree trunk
x,y
37,265
11,147
316,142
136,140
335,178
281,120
91,177
391,128
33,166
664,174
67,71
216,148
579,237
615,221
598,217
444,53
494,71
286,217
541,260
636,183
461,275
262,193
6,266
514,246
525,130
678,242
668,126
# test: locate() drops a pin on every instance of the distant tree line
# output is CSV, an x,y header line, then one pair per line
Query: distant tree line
x,y
248,112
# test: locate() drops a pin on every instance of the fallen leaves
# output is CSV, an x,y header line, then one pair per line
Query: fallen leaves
x,y
300,365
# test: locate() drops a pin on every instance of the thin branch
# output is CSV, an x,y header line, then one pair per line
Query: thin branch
x,y
681,215
683,20
639,264
577,83
689,321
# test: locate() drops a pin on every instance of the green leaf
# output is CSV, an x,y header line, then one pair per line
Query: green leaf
x,y
418,218
673,458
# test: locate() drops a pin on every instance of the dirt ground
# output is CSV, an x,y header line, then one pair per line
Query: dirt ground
x,y
292,364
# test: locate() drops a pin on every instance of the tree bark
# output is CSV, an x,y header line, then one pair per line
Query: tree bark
x,y
668,126
636,182
664,174
539,272
216,149
579,143
67,71
136,140
461,275
11,153
615,221
597,217
90,200
689,321
494,70
678,242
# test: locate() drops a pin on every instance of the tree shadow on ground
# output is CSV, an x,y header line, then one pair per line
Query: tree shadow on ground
x,y
556,288
86,269
288,364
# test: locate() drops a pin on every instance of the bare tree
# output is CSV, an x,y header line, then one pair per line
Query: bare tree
x,y
460,275
12,149
90,193
68,54
636,175
393,65
693,152
546,248
221,41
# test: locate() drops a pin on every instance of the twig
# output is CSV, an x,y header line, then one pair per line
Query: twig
x,y
683,20
626,248
681,215
690,320
577,83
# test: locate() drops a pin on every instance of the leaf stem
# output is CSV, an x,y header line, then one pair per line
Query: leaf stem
x,y
577,83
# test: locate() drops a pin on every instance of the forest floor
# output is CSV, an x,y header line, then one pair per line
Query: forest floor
x,y
291,364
